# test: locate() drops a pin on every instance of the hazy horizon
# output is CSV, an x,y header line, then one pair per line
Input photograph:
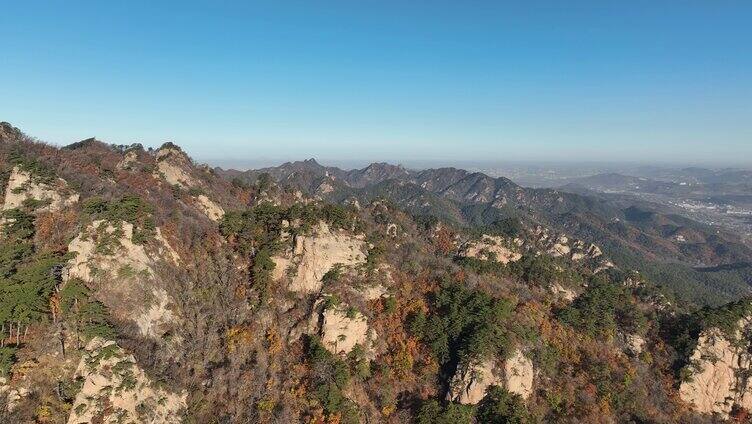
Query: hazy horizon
x,y
239,162
348,164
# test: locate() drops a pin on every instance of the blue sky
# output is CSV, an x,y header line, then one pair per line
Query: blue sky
x,y
666,81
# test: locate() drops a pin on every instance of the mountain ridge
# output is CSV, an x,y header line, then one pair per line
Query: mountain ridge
x,y
472,198
140,286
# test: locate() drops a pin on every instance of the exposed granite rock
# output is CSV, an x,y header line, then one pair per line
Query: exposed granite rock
x,y
633,343
719,368
490,248
315,254
23,186
469,384
518,374
12,395
130,159
563,292
106,252
115,389
171,165
211,209
341,330
8,132
470,381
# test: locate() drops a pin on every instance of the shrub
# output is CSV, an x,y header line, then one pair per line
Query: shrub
x,y
602,309
87,316
7,358
329,377
40,173
333,275
431,412
131,209
390,305
502,407
508,227
464,323
261,271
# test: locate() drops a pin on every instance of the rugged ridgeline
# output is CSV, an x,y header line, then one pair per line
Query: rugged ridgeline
x,y
138,286
700,263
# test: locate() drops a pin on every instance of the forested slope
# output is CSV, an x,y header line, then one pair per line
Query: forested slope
x,y
138,286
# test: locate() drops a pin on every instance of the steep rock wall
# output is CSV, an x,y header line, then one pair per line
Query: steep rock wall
x,y
314,255
719,368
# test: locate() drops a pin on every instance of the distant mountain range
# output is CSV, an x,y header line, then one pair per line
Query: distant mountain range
x,y
681,252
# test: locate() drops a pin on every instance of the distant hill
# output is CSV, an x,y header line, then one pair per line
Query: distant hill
x,y
639,234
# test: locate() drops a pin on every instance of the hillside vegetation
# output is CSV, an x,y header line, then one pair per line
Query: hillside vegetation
x,y
139,286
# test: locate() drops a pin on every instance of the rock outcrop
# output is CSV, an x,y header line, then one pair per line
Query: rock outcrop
x,y
106,247
23,186
719,367
171,166
562,246
518,374
562,292
172,172
8,132
211,209
315,254
490,248
115,389
633,343
11,395
469,384
106,252
129,160
342,329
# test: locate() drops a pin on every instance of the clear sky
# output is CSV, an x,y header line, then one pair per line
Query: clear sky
x,y
381,80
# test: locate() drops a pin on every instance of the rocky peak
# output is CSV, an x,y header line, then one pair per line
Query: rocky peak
x,y
172,152
91,141
375,173
8,132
